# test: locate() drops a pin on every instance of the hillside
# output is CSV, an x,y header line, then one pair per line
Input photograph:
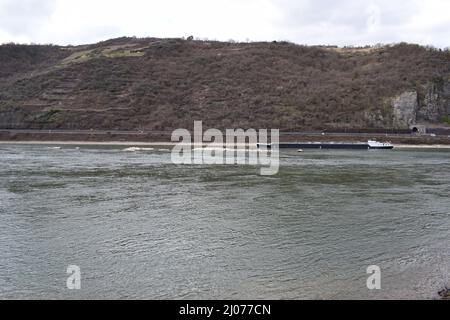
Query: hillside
x,y
163,84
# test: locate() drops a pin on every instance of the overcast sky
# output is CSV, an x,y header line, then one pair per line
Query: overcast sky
x,y
340,22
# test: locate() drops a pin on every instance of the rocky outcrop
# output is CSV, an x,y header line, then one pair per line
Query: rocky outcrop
x,y
430,105
429,110
445,294
436,102
405,109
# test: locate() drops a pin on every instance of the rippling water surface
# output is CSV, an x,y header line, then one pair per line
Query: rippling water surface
x,y
140,227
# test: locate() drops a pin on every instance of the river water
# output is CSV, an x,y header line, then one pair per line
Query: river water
x,y
141,227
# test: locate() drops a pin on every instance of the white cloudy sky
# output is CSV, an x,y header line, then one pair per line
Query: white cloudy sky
x,y
341,22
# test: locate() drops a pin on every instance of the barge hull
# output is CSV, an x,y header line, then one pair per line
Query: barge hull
x,y
335,146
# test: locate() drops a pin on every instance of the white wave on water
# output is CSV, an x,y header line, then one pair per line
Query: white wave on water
x,y
134,149
54,148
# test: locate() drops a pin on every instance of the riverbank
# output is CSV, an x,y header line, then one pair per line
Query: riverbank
x,y
421,146
164,138
88,143
170,144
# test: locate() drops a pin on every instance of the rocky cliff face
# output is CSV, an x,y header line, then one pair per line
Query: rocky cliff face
x,y
405,109
436,103
429,104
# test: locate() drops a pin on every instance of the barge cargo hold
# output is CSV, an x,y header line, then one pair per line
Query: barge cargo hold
x,y
332,145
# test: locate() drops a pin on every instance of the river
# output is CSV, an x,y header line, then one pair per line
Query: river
x,y
140,227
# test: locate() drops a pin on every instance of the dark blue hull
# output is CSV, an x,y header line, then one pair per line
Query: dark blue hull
x,y
347,146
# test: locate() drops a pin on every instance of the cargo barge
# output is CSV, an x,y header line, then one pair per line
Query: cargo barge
x,y
371,144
